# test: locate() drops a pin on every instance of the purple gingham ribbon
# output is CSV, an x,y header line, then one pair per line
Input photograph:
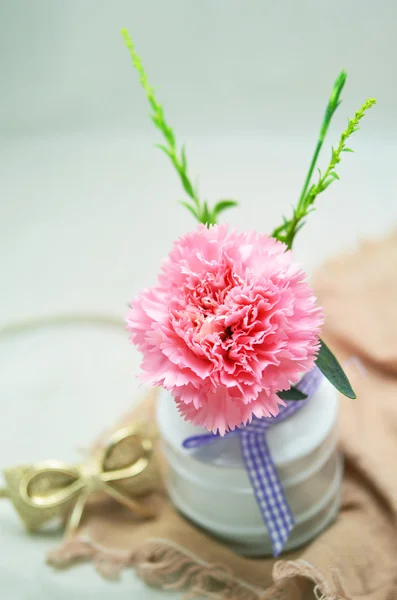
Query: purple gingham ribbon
x,y
261,469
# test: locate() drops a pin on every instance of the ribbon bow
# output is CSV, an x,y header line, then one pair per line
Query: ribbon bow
x,y
123,468
260,467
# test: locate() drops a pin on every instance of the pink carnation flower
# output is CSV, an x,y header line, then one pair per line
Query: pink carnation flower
x,y
230,323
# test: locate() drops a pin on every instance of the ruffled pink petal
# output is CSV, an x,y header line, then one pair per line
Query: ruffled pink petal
x,y
231,322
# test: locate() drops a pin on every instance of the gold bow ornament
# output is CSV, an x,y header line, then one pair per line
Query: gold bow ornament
x,y
124,468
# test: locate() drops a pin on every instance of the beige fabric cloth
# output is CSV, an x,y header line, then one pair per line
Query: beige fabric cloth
x,y
357,556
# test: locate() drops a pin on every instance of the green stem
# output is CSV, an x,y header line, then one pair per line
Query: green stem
x,y
158,118
290,227
287,231
332,105
310,172
289,237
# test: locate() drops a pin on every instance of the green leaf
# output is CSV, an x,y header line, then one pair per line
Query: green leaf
x,y
334,175
223,205
347,150
205,214
331,369
183,158
326,183
169,135
292,394
152,102
165,150
190,208
301,224
156,120
187,186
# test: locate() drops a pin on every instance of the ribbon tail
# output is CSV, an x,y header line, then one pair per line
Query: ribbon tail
x,y
76,513
268,489
138,507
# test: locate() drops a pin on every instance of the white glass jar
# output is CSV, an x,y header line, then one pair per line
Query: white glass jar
x,y
211,486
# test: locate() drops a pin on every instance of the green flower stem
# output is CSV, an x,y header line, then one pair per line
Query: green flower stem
x,y
158,118
332,105
287,231
352,127
200,210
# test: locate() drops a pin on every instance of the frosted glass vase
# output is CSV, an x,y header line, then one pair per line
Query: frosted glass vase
x,y
211,487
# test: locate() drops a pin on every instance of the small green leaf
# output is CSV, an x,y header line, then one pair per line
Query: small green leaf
x,y
347,150
223,205
152,102
165,150
331,369
155,120
334,175
326,183
301,224
292,394
189,207
169,135
187,186
205,215
183,158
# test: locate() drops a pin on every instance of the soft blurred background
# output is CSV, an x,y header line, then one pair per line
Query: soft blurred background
x,y
88,206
